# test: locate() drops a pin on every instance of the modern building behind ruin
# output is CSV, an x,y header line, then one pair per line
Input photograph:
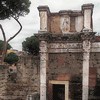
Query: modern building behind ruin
x,y
69,55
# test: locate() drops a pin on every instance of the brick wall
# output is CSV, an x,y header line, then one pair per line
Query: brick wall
x,y
55,24
65,66
68,66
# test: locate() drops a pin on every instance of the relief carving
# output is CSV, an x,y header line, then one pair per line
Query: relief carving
x,y
65,24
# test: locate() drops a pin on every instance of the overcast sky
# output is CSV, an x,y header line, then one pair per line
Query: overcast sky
x,y
31,22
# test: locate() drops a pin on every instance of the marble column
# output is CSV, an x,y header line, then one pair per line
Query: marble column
x,y
86,56
43,66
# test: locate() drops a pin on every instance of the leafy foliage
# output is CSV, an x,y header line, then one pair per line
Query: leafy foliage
x,y
11,58
31,45
15,8
8,9
1,45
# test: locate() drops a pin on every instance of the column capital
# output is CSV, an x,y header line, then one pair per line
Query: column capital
x,y
43,48
87,36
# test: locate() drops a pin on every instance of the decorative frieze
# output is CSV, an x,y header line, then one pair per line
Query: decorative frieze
x,y
72,47
65,45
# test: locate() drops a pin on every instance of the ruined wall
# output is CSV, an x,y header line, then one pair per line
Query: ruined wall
x,y
3,80
22,83
64,63
66,66
63,66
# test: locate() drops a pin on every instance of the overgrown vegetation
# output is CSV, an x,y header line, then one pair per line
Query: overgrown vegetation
x,y
11,58
31,45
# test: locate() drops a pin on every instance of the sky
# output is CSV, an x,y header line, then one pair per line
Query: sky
x,y
31,22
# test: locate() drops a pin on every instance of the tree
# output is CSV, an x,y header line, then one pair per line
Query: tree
x,y
1,45
14,9
31,45
11,58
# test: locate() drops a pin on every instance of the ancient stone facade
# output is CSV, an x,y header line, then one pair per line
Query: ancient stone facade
x,y
67,48
66,21
68,67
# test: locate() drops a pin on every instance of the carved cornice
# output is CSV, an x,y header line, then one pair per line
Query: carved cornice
x,y
87,6
70,12
44,8
43,36
75,37
88,36
66,37
59,37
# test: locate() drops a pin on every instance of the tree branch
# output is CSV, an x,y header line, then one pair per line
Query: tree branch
x,y
17,32
3,32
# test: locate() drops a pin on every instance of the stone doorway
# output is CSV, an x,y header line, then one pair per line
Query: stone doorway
x,y
59,90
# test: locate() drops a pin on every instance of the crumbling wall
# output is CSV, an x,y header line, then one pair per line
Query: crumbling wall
x,y
63,66
3,80
23,82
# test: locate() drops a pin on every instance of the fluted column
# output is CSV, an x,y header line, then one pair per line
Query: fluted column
x,y
43,66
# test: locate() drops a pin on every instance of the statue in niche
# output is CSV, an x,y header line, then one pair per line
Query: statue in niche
x,y
65,24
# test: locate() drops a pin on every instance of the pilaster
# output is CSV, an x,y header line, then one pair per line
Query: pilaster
x,y
87,13
43,13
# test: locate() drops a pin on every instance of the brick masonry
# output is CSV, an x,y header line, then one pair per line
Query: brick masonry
x,y
64,66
